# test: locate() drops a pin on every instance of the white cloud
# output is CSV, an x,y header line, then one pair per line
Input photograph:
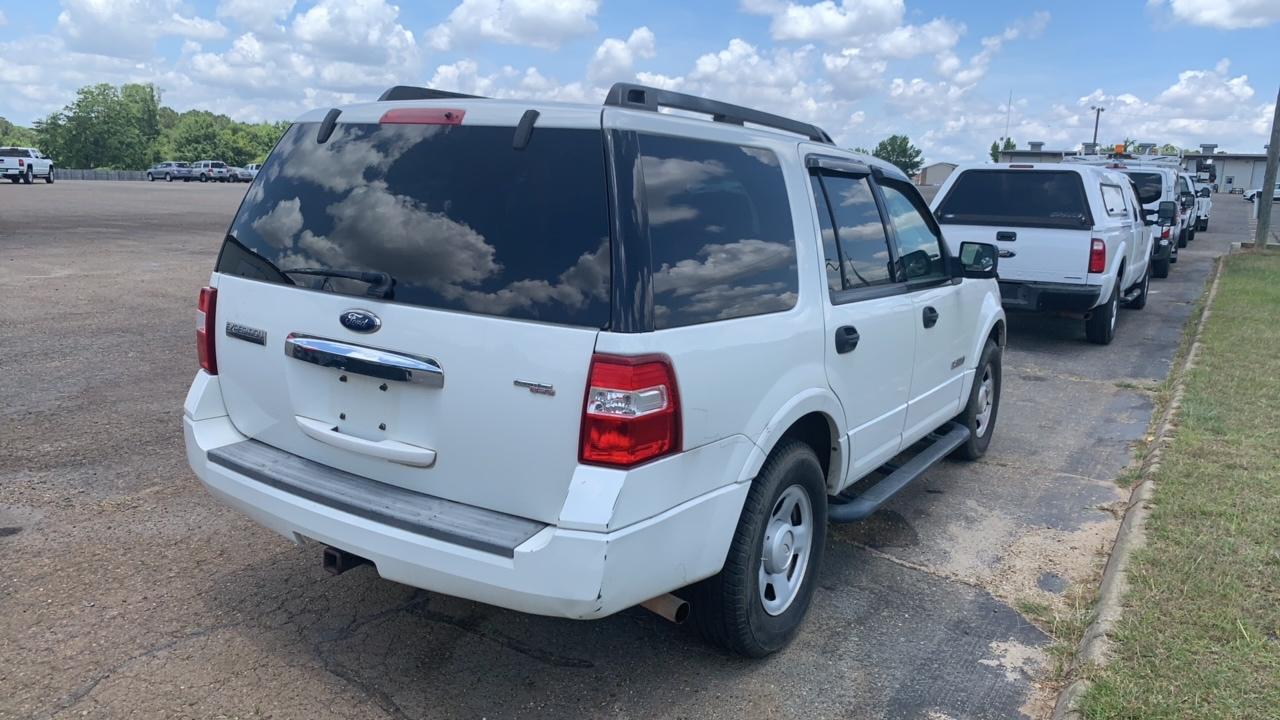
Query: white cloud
x,y
535,23
3,20
1220,14
828,21
129,28
949,65
615,59
259,15
361,31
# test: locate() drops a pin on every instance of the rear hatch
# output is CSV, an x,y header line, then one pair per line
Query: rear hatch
x,y
465,380
1041,217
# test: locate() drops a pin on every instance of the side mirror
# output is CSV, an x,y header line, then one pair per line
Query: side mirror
x,y
978,260
1167,210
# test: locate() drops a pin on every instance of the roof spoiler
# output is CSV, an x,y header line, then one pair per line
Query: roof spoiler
x,y
640,97
413,92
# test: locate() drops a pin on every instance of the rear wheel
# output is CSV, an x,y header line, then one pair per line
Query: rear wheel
x,y
1100,328
1204,225
1160,267
28,177
168,177
1182,238
204,178
984,404
755,604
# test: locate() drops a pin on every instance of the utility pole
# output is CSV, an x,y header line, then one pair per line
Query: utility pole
x,y
1268,182
1097,115
1008,113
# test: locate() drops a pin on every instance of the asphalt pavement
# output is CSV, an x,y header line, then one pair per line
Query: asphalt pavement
x,y
128,591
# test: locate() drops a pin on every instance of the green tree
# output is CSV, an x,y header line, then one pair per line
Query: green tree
x,y
16,135
997,147
897,149
861,150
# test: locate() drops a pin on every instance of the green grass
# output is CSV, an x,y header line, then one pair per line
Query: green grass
x,y
1200,637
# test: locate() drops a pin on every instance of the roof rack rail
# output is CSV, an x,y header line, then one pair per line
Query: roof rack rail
x,y
413,92
641,97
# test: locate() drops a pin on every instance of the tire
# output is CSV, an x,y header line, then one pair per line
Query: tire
x,y
1204,225
150,177
984,404
28,177
48,179
1139,301
204,178
1173,255
1100,328
1182,238
1191,235
15,179
168,177
1160,268
729,608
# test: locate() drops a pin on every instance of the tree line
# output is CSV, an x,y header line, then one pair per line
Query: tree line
x,y
127,128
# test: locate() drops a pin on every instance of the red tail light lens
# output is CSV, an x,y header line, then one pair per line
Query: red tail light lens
x,y
21,162
632,411
422,116
1098,256
1164,234
206,308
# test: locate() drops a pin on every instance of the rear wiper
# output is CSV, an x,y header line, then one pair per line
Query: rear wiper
x,y
381,285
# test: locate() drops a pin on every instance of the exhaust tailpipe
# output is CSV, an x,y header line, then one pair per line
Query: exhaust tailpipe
x,y
338,561
669,607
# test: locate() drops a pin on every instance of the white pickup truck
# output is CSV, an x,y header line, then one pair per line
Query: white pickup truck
x,y
1072,237
21,164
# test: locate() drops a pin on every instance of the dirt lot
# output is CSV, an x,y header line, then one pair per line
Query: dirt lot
x,y
129,591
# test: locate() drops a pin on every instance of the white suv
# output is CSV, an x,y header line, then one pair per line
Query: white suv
x,y
1073,236
567,361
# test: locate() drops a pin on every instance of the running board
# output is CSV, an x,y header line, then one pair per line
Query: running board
x,y
953,436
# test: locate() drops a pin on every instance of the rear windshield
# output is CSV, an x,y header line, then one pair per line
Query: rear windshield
x,y
12,152
217,164
1150,185
182,164
460,219
1031,198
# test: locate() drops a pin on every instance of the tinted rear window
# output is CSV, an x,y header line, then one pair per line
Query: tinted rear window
x,y
1150,186
217,165
458,217
12,152
1035,198
720,228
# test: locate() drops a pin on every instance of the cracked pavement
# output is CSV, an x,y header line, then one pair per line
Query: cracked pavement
x,y
129,591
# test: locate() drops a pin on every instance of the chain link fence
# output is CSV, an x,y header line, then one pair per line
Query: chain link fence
x,y
74,174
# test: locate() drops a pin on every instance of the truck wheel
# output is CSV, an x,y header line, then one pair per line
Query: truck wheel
x,y
48,179
1160,268
1139,301
150,177
1204,225
1182,238
1191,235
27,178
168,177
984,404
1100,328
755,604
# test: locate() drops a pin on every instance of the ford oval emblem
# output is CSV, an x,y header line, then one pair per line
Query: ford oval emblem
x,y
361,321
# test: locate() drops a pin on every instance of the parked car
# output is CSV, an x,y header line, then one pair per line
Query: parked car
x,y
1189,203
170,170
1072,237
1204,205
239,174
253,169
572,370
22,164
210,170
1255,192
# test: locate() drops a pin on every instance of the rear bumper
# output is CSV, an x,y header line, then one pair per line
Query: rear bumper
x,y
1040,296
557,571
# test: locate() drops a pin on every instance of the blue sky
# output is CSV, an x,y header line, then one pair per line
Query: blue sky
x,y
1181,71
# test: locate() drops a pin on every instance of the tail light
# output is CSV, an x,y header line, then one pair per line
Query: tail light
x,y
632,411
422,116
1097,256
206,308
1164,234
21,162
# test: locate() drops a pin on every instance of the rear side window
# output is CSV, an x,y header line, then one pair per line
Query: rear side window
x,y
855,249
1113,199
1030,198
1150,186
459,218
720,229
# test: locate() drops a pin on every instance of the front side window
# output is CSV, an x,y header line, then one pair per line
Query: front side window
x,y
855,247
720,229
920,254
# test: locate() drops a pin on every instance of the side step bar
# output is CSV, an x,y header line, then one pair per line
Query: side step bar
x,y
953,435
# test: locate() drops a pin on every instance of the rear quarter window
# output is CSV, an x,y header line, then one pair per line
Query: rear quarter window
x,y
1028,198
720,230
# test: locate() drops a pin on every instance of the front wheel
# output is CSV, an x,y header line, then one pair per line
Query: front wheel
x,y
168,177
984,404
1100,328
755,604
48,179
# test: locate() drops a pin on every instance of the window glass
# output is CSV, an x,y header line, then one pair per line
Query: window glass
x,y
459,218
1113,199
863,246
720,229
919,244
1028,198
1150,186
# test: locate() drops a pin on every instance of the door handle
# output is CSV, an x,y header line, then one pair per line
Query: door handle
x,y
846,339
1006,235
930,317
393,450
